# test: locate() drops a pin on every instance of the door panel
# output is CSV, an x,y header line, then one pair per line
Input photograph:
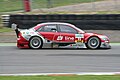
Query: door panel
x,y
49,32
67,37
52,36
67,32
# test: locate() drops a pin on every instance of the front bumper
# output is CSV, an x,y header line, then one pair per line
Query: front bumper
x,y
105,45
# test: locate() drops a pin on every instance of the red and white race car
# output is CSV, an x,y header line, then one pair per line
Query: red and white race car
x,y
59,35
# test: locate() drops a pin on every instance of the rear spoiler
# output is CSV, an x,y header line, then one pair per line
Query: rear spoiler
x,y
15,27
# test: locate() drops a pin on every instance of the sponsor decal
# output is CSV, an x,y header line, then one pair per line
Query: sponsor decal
x,y
77,45
69,38
79,41
27,32
66,38
31,32
23,32
60,38
79,36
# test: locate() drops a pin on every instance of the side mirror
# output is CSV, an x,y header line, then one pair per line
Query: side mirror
x,y
53,30
14,26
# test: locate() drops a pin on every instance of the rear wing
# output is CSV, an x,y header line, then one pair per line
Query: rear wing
x,y
15,27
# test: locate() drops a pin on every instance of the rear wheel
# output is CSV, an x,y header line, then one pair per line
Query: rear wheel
x,y
93,43
35,43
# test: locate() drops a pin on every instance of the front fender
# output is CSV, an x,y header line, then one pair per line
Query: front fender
x,y
88,35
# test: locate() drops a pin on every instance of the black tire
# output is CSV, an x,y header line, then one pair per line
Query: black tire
x,y
35,43
93,43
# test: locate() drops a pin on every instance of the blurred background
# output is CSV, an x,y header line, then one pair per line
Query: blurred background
x,y
74,6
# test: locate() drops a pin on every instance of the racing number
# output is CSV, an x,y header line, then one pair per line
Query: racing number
x,y
79,38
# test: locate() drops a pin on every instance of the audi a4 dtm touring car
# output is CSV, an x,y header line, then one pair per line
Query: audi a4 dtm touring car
x,y
59,35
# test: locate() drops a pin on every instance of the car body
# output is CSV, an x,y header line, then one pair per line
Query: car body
x,y
59,35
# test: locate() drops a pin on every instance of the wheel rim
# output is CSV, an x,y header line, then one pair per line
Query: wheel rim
x,y
93,42
35,42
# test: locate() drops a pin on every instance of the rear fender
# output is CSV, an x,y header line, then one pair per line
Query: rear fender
x,y
39,37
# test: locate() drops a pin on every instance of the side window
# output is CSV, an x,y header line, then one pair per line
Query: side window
x,y
48,28
67,29
40,29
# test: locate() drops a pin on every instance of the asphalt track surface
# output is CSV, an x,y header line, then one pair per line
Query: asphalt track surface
x,y
15,61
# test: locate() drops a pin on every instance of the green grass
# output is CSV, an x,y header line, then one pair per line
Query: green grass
x,y
10,5
5,29
115,77
16,5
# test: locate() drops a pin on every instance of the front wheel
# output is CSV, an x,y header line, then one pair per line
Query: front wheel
x,y
93,43
35,43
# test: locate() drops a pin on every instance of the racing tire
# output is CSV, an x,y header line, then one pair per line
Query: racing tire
x,y
35,43
93,43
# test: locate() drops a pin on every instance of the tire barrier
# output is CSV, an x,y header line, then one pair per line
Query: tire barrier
x,y
5,20
85,22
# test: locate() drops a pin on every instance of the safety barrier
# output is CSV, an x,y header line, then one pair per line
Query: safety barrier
x,y
86,22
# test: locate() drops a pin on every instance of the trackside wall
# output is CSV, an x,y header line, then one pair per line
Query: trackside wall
x,y
85,22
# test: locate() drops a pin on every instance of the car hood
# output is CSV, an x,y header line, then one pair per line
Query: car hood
x,y
95,34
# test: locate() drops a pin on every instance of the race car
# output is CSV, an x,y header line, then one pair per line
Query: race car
x,y
59,35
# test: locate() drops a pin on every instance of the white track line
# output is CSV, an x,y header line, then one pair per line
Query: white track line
x,y
67,74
